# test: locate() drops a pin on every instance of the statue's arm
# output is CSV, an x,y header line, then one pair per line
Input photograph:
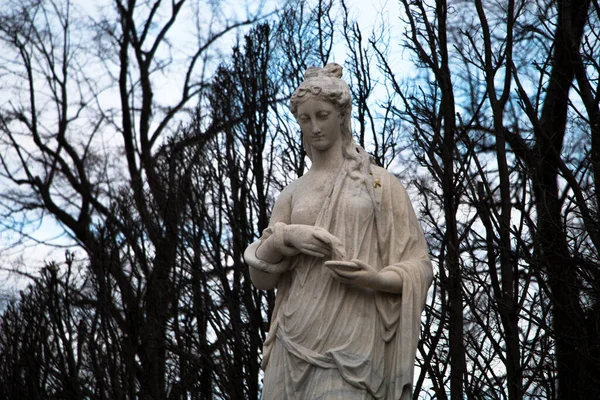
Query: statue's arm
x,y
271,255
263,278
266,256
359,273
401,242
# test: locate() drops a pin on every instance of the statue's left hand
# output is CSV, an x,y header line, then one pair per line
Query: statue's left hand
x,y
356,272
359,273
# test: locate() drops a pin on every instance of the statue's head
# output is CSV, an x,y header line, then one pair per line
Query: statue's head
x,y
325,84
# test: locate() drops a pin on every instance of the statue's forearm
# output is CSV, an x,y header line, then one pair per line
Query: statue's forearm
x,y
268,250
388,281
263,280
264,274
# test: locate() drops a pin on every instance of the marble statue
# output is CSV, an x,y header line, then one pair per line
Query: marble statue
x,y
349,261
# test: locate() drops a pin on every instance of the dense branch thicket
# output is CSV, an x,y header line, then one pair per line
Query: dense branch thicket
x,y
160,154
505,122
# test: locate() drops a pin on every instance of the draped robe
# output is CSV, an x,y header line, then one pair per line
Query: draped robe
x,y
332,340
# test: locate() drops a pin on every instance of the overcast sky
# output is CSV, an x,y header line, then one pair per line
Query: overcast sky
x,y
32,255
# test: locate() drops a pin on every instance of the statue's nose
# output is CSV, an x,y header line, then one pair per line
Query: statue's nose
x,y
315,127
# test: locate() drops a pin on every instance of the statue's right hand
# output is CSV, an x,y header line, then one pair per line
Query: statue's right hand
x,y
310,240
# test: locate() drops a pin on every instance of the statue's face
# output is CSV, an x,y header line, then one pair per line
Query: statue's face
x,y
320,123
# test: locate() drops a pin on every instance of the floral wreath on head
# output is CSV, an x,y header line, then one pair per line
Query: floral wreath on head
x,y
325,84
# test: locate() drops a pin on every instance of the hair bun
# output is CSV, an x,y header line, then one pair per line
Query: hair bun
x,y
331,70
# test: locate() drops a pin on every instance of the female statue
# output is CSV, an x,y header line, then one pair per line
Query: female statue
x,y
349,260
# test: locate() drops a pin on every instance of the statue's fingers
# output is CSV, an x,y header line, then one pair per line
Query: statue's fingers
x,y
361,264
346,270
323,236
312,252
289,251
319,247
349,275
338,263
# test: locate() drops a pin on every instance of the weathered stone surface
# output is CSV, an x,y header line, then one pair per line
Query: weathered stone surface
x,y
349,260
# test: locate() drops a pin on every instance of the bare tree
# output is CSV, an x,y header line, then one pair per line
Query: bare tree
x,y
522,189
377,126
53,163
436,132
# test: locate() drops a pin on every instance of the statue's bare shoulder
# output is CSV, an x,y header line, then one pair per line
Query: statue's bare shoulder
x,y
283,205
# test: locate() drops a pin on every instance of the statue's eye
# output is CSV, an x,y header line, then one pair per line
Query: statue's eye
x,y
323,114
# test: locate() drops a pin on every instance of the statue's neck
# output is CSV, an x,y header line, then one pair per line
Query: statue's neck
x,y
329,160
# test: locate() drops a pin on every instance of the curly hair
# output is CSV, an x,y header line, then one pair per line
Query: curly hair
x,y
325,84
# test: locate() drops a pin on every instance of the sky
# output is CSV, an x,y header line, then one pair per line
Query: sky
x,y
47,241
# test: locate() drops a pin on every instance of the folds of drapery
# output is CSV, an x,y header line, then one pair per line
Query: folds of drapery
x,y
369,337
